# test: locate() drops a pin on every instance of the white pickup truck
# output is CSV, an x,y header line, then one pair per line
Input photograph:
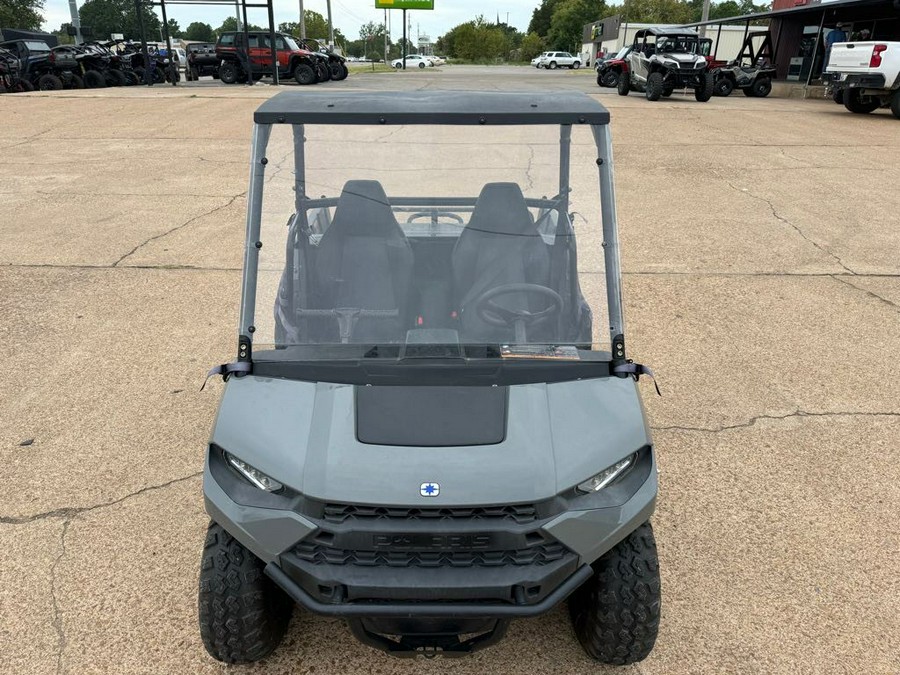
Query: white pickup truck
x,y
865,76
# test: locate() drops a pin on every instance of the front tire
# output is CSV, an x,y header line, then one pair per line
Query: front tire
x,y
116,78
623,86
704,92
552,65
243,614
338,71
323,72
304,74
855,103
654,88
576,65
610,79
723,87
616,612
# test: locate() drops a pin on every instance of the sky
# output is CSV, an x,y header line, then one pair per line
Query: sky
x,y
348,15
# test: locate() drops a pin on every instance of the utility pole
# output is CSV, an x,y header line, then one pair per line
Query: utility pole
x,y
302,21
704,17
330,25
76,21
237,14
403,55
385,39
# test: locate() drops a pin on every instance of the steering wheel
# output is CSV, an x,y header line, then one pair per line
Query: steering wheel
x,y
496,315
435,214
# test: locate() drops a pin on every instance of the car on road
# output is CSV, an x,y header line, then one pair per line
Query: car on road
x,y
413,61
554,60
436,60
662,60
536,61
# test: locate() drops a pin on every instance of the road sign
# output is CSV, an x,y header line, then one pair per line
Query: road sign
x,y
404,4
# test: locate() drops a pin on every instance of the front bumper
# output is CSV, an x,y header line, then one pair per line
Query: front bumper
x,y
362,562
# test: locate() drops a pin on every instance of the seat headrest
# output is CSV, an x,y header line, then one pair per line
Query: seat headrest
x,y
363,209
501,209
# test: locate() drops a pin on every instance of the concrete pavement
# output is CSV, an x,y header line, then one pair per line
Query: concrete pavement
x,y
762,283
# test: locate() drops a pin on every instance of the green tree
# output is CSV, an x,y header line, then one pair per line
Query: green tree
x,y
541,16
200,31
62,34
105,17
569,18
230,25
23,14
174,29
531,46
660,11
475,41
316,27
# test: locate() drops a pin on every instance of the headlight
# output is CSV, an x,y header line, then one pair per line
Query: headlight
x,y
256,477
607,476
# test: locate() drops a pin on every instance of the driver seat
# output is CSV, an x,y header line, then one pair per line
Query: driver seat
x,y
363,261
500,245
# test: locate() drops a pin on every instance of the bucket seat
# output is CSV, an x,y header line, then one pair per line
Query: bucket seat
x,y
500,245
363,261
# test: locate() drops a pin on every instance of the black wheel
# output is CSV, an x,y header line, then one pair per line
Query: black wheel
x,y
158,76
552,65
23,86
323,72
304,74
856,103
576,65
610,79
723,86
116,78
243,614
139,72
748,91
895,104
398,66
704,92
344,72
194,74
228,73
421,65
75,82
93,79
838,96
654,88
49,82
334,69
761,87
624,84
616,612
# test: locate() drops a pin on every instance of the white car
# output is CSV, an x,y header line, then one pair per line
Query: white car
x,y
413,61
436,60
554,60
536,61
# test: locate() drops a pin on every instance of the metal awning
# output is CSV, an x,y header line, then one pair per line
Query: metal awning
x,y
791,11
431,107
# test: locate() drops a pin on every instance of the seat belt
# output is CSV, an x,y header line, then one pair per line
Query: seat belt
x,y
635,370
227,369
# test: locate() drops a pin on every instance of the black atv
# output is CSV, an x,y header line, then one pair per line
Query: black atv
x,y
41,67
201,60
754,81
10,82
337,65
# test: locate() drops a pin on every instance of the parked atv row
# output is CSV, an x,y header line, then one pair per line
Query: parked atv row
x,y
303,60
661,61
33,64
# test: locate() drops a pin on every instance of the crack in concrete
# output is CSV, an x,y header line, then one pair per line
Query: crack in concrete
x,y
871,294
787,222
529,167
68,512
57,614
178,227
797,413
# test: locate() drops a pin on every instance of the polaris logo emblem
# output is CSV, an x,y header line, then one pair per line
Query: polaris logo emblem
x,y
430,489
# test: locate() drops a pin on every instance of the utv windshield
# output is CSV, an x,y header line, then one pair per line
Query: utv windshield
x,y
437,241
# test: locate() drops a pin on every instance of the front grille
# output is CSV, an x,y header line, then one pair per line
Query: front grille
x,y
540,554
521,513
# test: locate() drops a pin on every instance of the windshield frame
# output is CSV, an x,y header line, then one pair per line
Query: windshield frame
x,y
564,121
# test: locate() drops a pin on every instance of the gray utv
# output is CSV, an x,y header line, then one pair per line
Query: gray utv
x,y
428,431
663,60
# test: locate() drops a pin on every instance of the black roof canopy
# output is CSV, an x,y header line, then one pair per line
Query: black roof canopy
x,y
686,32
431,107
